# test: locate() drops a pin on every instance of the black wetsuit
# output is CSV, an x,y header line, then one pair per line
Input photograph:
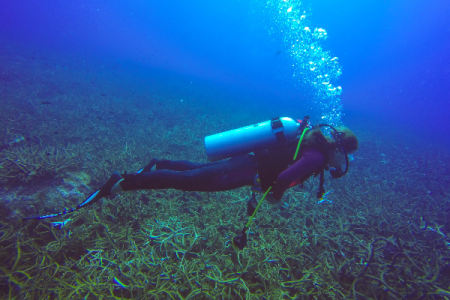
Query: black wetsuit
x,y
275,168
184,175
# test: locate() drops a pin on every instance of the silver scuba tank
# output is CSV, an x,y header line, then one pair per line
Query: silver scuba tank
x,y
250,138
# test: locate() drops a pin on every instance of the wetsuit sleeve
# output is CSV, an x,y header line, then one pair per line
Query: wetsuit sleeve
x,y
309,163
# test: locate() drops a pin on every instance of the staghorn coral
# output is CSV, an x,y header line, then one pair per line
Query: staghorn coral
x,y
30,162
325,253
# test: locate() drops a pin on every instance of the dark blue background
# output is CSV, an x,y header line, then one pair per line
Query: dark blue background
x,y
394,54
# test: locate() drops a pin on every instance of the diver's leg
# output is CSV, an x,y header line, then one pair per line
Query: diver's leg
x,y
219,176
174,165
148,167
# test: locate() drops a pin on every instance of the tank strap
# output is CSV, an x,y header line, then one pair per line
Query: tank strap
x,y
278,129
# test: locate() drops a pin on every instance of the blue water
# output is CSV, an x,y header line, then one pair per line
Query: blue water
x,y
105,85
392,54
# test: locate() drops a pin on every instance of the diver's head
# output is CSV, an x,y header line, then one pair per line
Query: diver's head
x,y
349,142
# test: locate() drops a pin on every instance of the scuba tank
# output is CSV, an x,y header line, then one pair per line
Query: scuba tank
x,y
251,138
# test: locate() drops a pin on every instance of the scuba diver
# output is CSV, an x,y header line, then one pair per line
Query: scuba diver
x,y
270,157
